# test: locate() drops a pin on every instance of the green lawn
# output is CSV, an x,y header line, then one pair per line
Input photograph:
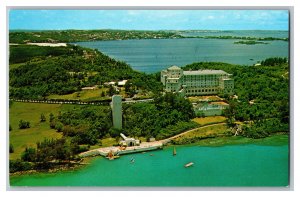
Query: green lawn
x,y
84,95
20,138
209,120
215,130
194,99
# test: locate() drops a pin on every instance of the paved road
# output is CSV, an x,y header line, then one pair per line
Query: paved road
x,y
104,150
180,134
78,102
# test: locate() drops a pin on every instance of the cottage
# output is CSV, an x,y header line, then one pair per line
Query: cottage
x,y
128,141
122,83
89,88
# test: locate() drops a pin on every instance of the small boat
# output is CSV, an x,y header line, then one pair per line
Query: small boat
x,y
132,160
188,164
111,155
174,151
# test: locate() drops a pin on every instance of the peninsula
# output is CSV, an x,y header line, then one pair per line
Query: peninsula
x,y
60,99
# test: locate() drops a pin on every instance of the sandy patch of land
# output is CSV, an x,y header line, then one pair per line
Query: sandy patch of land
x,y
49,44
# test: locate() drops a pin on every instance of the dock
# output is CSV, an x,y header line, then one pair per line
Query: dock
x,y
117,150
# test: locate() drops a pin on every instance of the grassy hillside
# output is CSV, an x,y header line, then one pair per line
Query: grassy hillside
x,y
20,138
209,120
201,134
23,53
54,71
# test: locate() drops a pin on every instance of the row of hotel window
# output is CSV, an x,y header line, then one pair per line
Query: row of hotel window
x,y
196,82
205,79
201,90
202,77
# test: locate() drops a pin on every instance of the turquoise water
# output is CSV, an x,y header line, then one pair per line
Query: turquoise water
x,y
153,55
234,165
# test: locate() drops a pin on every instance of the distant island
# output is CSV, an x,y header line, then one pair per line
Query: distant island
x,y
249,42
69,36
244,38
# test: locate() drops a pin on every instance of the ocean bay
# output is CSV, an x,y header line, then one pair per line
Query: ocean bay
x,y
154,55
254,164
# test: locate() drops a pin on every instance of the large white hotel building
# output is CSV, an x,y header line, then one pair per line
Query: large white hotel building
x,y
198,82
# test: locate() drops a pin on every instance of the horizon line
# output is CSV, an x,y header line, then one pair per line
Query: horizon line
x,y
148,29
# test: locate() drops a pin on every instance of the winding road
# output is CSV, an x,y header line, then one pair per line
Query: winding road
x,y
188,131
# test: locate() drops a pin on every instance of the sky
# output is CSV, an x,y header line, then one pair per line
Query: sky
x,y
149,19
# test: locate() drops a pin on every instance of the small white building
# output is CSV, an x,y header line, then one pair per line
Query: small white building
x,y
128,141
110,83
122,83
89,88
151,139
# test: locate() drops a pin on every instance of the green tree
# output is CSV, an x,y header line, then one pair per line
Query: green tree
x,y
18,165
24,124
29,154
59,126
51,117
52,121
11,148
111,90
43,118
129,88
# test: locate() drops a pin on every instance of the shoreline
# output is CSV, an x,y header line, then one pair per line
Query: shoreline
x,y
219,141
210,142
86,161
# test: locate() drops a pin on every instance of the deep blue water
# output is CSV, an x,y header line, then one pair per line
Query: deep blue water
x,y
154,55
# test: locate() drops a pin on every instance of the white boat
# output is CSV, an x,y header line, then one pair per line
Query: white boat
x,y
188,164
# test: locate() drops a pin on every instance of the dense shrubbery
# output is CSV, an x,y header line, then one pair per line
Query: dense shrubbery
x,y
274,61
18,165
166,116
48,154
29,154
84,124
263,95
23,124
264,128
169,114
69,72
11,148
24,53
